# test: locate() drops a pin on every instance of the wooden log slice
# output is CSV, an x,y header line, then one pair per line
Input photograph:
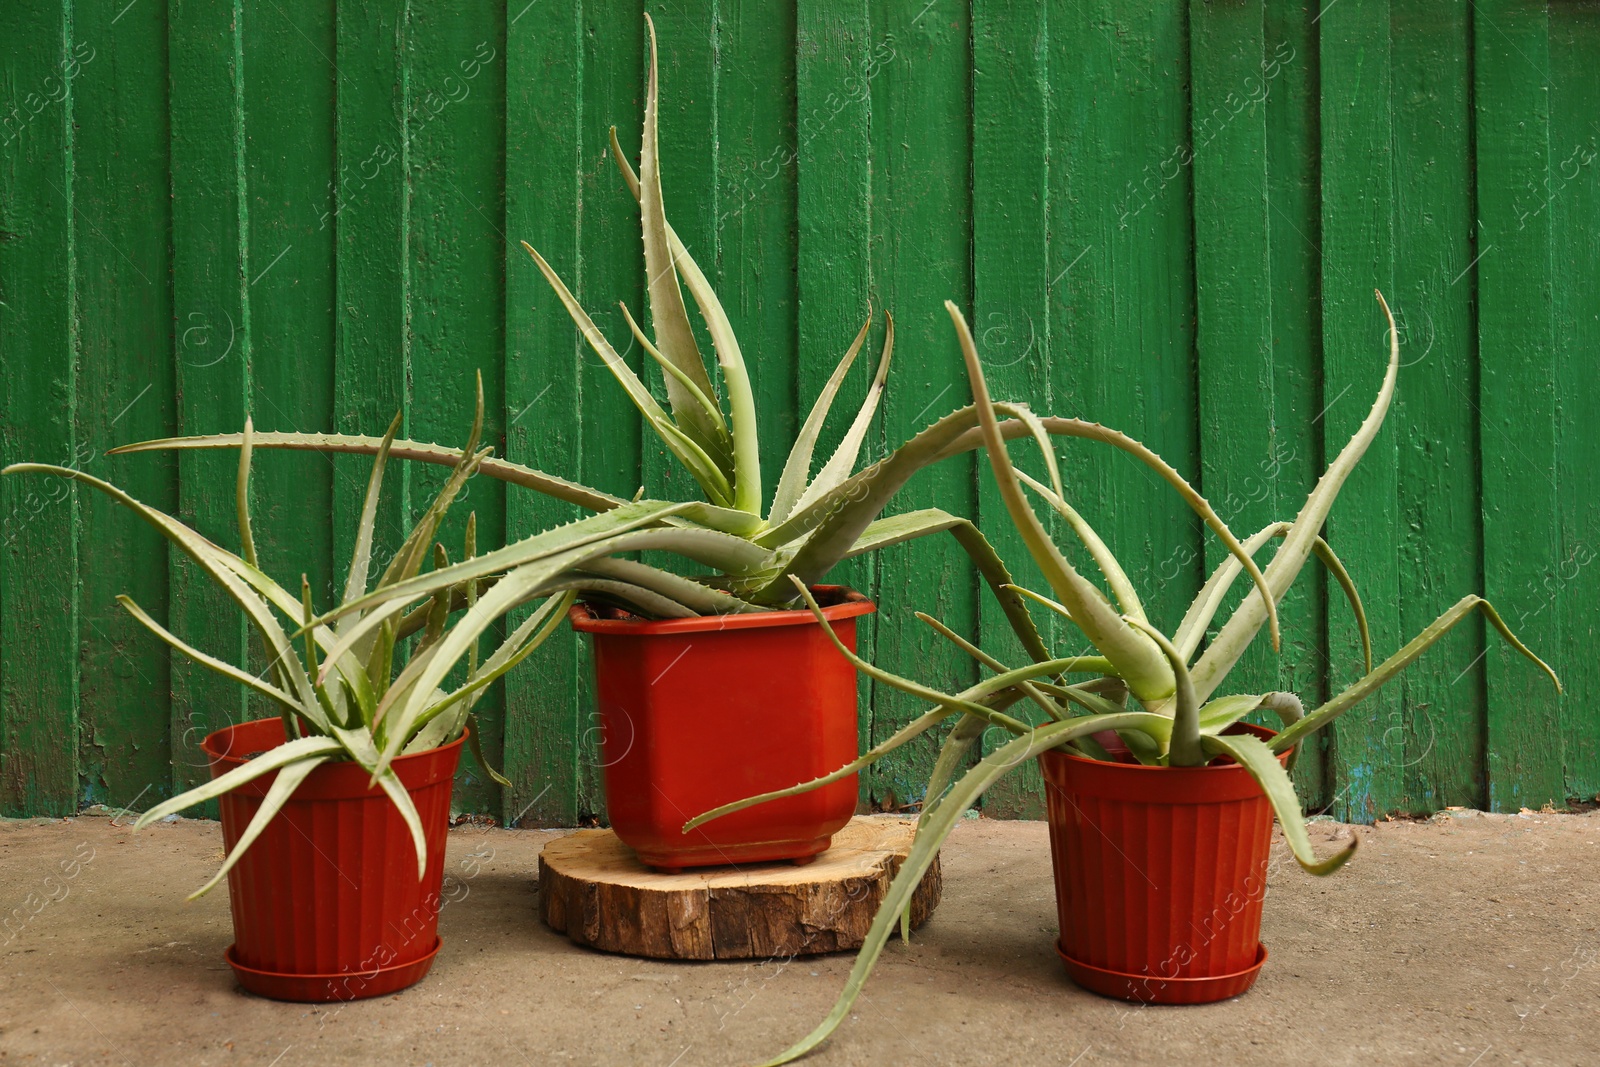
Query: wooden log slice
x,y
593,889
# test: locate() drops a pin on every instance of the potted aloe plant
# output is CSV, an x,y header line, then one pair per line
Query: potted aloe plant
x,y
1160,799
334,812
716,686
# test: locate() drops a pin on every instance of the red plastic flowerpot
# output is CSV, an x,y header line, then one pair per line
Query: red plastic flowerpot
x,y
1160,874
696,713
326,902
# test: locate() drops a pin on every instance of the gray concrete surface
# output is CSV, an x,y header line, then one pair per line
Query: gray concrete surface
x,y
1468,940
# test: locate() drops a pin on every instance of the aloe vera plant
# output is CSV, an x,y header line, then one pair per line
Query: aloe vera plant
x,y
1176,717
337,696
753,545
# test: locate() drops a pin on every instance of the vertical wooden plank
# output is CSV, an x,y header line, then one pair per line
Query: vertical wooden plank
x,y
457,174
1516,391
1575,234
756,238
210,279
1012,273
1257,451
609,268
1289,71
921,230
1357,257
38,360
289,108
1435,426
367,207
836,58
1243,439
125,331
1122,328
545,155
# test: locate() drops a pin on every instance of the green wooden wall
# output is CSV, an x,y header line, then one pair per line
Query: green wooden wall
x,y
1165,216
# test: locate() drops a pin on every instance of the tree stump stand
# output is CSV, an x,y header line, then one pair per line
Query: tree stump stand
x,y
593,889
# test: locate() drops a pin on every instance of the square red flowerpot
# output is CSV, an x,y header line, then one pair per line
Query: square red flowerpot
x,y
696,713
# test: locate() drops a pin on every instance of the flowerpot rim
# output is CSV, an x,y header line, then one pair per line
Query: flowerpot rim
x,y
851,604
334,779
226,756
1265,733
1157,785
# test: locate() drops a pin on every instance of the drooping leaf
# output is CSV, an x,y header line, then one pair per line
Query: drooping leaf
x,y
281,756
358,445
930,836
1392,666
1251,753
278,793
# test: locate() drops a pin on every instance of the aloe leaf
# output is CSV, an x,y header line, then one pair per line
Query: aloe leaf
x,y
1031,691
227,670
666,258
585,531
636,598
357,445
843,461
893,529
474,743
925,847
529,635
1392,666
278,793
1251,753
636,390
408,559
269,761
837,518
361,555
1185,748
1223,712
241,498
390,784
1121,588
702,599
1054,605
796,474
706,404
1286,706
730,555
952,757
1241,628
906,685
700,466
408,710
674,335
1208,601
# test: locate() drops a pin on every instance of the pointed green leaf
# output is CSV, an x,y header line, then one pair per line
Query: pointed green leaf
x,y
796,474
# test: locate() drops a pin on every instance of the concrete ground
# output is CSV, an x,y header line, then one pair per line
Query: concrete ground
x,y
1469,940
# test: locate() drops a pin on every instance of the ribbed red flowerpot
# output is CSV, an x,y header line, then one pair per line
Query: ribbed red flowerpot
x,y
1160,875
326,902
696,713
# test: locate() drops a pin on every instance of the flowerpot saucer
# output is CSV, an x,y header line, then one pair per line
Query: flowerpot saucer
x,y
1151,989
324,988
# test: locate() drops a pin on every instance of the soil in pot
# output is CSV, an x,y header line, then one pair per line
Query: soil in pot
x,y
326,902
696,713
